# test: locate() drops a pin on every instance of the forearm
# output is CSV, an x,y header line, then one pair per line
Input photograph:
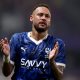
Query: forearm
x,y
56,71
7,67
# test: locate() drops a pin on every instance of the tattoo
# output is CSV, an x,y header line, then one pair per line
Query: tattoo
x,y
61,68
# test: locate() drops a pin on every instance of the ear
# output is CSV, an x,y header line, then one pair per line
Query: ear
x,y
31,18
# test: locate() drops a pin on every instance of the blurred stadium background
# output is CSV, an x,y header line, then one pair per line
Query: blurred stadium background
x,y
14,17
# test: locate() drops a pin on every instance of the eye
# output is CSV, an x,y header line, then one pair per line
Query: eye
x,y
40,14
47,15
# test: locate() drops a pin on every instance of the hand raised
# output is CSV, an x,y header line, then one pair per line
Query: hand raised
x,y
5,48
54,51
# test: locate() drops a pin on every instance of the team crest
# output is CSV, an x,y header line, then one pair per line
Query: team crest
x,y
47,50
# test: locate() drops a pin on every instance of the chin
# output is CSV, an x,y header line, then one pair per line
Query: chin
x,y
40,30
42,26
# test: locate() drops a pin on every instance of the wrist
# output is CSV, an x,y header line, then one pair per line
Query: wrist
x,y
51,61
6,59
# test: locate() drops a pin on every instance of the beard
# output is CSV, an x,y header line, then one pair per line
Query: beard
x,y
40,28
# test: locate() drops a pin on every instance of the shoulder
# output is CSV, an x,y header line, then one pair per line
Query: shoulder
x,y
57,39
17,35
60,43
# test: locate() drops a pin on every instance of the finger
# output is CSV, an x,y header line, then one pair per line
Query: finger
x,y
56,46
1,42
6,40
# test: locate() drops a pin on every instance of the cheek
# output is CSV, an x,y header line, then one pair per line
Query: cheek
x,y
37,17
36,20
48,22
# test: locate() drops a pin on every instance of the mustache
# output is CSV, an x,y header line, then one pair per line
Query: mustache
x,y
43,23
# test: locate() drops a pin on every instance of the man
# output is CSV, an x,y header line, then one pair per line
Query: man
x,y
36,55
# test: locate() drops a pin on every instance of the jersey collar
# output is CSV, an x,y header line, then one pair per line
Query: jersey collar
x,y
35,41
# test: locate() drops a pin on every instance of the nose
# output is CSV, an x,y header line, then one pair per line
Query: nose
x,y
43,17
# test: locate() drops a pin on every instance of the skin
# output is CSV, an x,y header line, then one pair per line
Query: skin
x,y
41,21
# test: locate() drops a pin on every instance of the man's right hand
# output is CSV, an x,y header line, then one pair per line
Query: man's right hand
x,y
7,66
5,48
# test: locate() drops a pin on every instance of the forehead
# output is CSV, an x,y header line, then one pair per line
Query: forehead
x,y
42,10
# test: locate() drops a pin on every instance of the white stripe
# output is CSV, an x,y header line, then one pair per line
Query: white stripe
x,y
11,62
61,64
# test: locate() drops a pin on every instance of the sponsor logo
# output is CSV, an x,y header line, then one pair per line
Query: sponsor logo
x,y
23,49
32,63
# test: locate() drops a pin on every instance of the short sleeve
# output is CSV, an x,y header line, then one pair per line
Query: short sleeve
x,y
13,48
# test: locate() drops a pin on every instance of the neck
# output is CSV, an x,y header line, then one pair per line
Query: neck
x,y
37,36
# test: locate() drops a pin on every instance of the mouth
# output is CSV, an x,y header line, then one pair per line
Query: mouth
x,y
42,23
